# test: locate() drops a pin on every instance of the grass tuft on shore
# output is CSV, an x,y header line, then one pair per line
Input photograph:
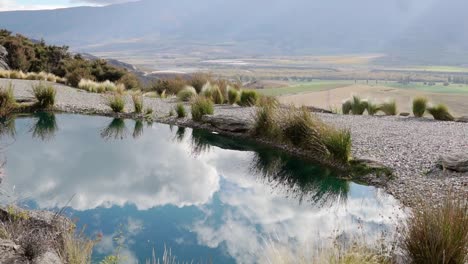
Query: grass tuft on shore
x,y
438,235
419,106
180,110
440,112
201,106
233,95
7,99
358,105
389,108
137,103
248,98
116,102
372,108
45,95
187,94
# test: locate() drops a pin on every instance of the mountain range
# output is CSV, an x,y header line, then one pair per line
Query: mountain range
x,y
412,31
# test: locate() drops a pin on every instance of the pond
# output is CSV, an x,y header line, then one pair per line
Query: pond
x,y
141,187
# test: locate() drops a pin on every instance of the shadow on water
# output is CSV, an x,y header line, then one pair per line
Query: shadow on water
x,y
45,126
300,179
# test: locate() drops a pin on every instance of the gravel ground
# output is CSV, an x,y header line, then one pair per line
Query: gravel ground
x,y
411,147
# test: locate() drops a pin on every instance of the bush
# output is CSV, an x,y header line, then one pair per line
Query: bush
x,y
213,92
198,80
200,107
389,108
180,111
372,108
187,94
248,98
419,106
137,103
358,106
130,81
45,95
74,77
116,102
7,98
233,95
440,112
346,107
438,235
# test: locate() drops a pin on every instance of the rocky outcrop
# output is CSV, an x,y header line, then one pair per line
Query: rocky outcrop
x,y
227,123
455,162
3,58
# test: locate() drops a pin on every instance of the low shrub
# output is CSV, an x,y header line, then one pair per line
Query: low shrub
x,y
372,108
116,102
180,110
198,80
137,103
248,98
389,108
201,106
233,95
438,234
45,95
440,112
187,94
419,106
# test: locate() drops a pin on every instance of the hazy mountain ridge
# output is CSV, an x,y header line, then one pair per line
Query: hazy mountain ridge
x,y
254,27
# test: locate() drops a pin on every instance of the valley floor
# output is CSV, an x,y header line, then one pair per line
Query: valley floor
x,y
411,147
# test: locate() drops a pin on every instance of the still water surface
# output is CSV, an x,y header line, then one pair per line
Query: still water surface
x,y
204,196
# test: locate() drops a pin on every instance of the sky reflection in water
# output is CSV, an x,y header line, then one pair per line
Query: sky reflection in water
x,y
202,195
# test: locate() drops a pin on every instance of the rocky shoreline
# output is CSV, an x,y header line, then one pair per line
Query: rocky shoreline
x,y
410,147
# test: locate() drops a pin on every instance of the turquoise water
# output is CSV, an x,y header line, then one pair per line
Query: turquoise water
x,y
203,196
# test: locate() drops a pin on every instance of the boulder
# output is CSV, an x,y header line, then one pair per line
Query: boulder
x,y
227,123
455,162
3,58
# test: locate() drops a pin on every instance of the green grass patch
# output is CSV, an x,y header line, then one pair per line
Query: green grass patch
x,y
187,94
389,108
248,98
45,95
440,112
437,88
419,106
116,102
180,110
137,103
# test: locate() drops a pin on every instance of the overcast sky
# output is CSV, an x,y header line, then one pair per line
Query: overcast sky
x,y
51,4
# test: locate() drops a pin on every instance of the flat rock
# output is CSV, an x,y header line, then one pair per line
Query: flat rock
x,y
463,119
455,162
228,123
404,114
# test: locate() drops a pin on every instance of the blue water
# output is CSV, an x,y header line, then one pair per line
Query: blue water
x,y
141,187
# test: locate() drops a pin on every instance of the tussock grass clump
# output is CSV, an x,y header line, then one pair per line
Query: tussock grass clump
x,y
233,95
116,102
180,110
346,107
372,108
201,106
389,108
213,92
187,94
302,129
248,98
137,103
440,112
7,99
77,247
358,106
99,87
41,76
17,75
45,95
419,106
438,235
265,122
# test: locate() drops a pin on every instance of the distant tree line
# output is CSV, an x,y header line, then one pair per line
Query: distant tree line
x,y
28,55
